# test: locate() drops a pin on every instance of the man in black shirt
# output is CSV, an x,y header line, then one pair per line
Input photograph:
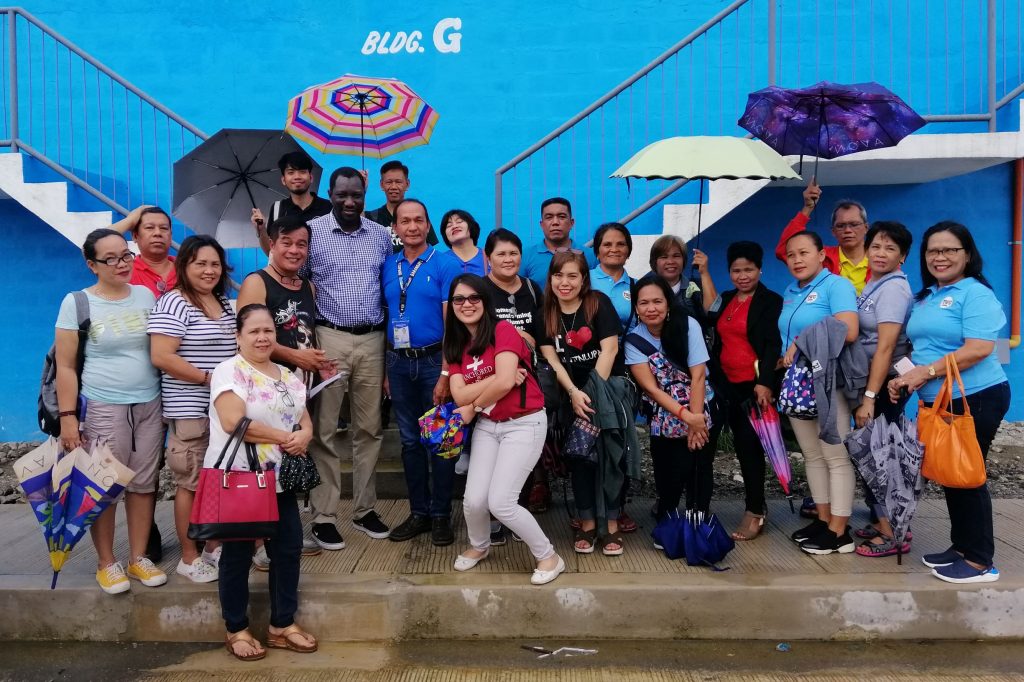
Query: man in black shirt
x,y
302,203
394,181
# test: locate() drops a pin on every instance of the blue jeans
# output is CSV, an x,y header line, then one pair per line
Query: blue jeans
x,y
430,479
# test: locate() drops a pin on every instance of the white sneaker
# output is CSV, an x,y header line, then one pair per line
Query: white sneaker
x,y
198,572
260,560
212,558
311,547
462,465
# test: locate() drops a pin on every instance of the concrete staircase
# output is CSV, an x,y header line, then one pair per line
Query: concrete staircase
x,y
48,201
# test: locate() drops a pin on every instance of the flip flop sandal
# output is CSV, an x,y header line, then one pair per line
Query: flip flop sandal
x,y
612,539
283,640
869,532
627,524
588,536
886,548
244,636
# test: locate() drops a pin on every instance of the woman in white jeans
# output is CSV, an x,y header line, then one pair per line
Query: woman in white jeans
x,y
487,361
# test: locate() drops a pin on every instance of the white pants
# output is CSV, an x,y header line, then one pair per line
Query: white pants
x,y
502,456
829,469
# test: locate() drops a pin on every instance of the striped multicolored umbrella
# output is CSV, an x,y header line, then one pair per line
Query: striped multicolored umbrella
x,y
373,117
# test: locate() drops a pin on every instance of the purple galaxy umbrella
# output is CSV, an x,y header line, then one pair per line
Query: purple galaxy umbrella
x,y
828,120
768,428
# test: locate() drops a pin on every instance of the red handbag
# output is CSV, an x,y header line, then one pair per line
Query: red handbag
x,y
234,505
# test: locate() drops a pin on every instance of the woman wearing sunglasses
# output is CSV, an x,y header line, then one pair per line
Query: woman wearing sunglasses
x,y
252,385
491,382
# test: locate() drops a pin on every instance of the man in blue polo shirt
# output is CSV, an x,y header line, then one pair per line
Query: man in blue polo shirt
x,y
416,284
556,222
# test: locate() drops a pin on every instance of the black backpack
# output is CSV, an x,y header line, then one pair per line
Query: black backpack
x,y
49,419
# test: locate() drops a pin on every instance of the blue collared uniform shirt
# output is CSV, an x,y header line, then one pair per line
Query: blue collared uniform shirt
x,y
802,306
474,266
425,295
537,260
944,319
618,292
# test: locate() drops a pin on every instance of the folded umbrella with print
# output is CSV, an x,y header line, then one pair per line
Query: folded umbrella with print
x,y
68,492
828,120
217,184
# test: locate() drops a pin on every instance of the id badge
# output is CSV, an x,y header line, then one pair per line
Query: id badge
x,y
400,330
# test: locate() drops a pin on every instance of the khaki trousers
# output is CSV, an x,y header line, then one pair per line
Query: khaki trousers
x,y
362,357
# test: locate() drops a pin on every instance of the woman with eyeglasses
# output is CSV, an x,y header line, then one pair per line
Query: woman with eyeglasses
x,y
192,330
956,313
492,384
460,232
273,397
121,390
580,336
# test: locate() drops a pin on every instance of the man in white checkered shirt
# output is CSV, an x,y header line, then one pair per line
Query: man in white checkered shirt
x,y
346,252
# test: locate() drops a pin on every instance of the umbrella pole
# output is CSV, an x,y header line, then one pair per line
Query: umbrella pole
x,y
694,272
53,583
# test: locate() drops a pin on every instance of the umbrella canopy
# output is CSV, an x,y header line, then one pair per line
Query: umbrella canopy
x,y
888,457
705,157
361,116
828,120
768,428
81,486
217,184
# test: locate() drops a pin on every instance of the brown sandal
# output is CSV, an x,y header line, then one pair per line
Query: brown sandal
x,y
587,536
244,636
283,640
750,528
613,539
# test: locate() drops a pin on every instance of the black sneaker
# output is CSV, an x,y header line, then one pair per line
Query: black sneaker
x,y
809,531
827,542
327,536
441,533
154,546
371,524
498,537
410,528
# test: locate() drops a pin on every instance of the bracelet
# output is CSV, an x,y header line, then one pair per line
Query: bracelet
x,y
68,413
445,373
206,378
682,408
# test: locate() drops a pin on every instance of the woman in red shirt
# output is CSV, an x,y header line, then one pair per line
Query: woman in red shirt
x,y
492,381
744,356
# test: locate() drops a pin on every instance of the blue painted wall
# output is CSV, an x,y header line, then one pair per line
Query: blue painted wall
x,y
520,69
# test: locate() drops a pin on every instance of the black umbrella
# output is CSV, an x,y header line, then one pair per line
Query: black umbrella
x,y
217,184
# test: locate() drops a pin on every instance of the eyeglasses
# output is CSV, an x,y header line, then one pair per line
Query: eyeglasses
x,y
852,225
472,299
944,253
114,260
286,396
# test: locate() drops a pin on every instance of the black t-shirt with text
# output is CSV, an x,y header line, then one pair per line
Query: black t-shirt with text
x,y
579,342
523,308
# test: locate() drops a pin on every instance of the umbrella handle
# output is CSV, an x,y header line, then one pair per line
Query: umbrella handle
x,y
792,509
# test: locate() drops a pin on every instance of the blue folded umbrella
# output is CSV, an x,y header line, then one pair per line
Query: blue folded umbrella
x,y
705,541
669,534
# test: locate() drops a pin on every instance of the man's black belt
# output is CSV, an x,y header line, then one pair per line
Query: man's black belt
x,y
417,352
358,330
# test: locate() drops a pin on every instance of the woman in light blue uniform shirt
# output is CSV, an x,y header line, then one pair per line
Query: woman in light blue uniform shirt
x,y
460,231
957,312
613,245
815,295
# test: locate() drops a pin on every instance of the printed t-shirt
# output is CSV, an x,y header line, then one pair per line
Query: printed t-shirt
x,y
696,351
426,292
477,368
522,309
117,366
143,275
738,356
618,292
578,343
885,300
278,403
826,294
944,319
204,343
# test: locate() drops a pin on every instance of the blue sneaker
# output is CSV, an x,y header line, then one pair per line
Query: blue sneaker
x,y
950,556
962,572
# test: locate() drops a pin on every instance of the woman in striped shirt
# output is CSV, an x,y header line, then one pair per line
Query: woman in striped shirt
x,y
192,330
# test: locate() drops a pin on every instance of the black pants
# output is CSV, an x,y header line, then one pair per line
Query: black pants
x,y
748,446
585,491
284,551
885,407
970,509
678,468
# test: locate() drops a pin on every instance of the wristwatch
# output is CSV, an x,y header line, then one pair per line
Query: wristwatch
x,y
870,394
478,408
931,370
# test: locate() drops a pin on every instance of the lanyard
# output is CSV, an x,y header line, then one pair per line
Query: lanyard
x,y
403,284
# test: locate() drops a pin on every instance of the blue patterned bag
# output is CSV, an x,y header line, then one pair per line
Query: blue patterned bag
x,y
796,395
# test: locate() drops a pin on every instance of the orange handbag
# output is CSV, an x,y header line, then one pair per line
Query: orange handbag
x,y
952,456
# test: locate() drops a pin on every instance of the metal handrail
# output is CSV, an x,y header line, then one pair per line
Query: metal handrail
x,y
14,11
